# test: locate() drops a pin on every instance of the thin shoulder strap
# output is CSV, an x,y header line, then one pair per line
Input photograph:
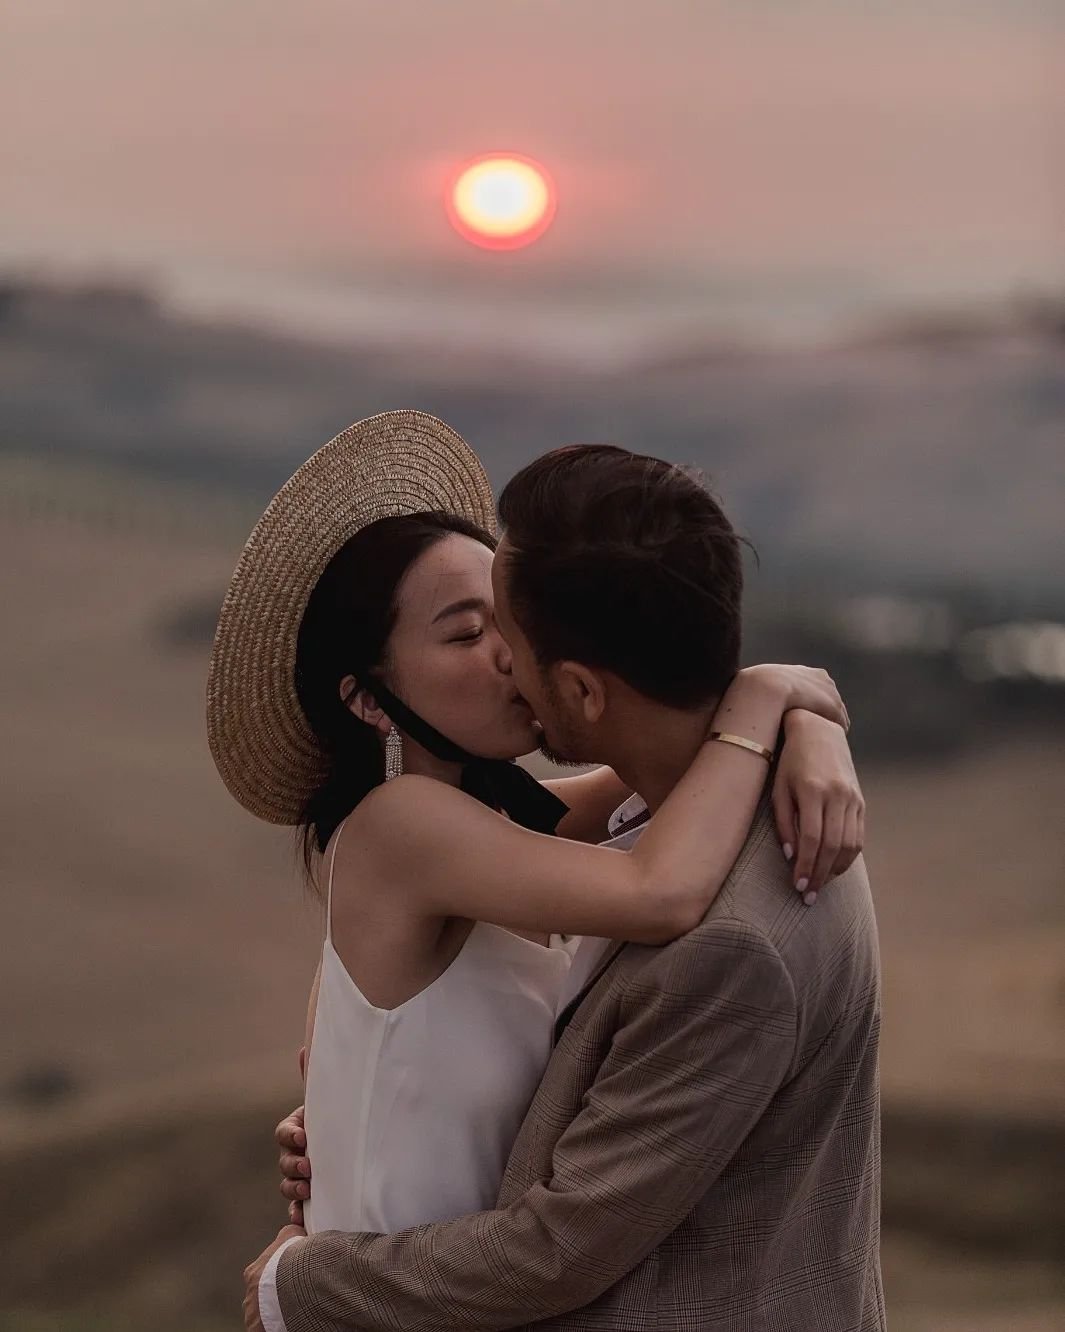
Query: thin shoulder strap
x,y
329,888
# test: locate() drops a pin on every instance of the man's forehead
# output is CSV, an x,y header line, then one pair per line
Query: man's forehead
x,y
502,555
499,567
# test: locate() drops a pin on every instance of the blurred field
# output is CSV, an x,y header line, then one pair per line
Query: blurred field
x,y
160,947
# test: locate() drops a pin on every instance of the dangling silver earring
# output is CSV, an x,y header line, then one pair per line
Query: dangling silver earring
x,y
393,755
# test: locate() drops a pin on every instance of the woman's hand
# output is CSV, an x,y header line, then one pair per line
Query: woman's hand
x,y
805,687
817,802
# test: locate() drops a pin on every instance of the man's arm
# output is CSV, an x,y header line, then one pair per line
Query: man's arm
x,y
706,1037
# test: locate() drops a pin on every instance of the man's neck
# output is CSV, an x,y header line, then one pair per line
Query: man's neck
x,y
657,745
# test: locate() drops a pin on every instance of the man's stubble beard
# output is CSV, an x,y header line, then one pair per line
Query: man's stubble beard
x,y
556,756
560,760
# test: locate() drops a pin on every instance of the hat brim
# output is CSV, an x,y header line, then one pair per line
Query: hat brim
x,y
399,462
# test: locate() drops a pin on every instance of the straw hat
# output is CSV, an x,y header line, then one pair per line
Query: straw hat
x,y
399,462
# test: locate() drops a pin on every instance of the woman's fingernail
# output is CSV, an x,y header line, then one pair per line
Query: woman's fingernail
x,y
802,885
810,899
788,851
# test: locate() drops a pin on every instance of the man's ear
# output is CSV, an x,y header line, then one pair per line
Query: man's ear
x,y
363,705
582,689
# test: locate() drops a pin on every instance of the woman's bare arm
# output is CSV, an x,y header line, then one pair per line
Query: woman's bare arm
x,y
448,855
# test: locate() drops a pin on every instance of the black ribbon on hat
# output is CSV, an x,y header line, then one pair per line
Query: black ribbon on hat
x,y
497,783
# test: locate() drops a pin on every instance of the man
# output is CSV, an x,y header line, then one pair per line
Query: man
x,y
703,1151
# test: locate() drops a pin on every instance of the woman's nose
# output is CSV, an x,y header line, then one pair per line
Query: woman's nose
x,y
504,656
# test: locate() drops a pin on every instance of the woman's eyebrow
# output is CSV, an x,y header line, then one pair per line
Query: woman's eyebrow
x,y
457,607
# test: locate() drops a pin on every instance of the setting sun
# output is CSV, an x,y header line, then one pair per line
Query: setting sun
x,y
501,201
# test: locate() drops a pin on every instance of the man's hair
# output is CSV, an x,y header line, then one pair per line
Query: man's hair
x,y
625,563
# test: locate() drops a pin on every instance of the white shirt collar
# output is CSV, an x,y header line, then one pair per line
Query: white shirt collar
x,y
633,808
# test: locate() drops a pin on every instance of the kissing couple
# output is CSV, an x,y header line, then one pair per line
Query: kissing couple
x,y
597,1052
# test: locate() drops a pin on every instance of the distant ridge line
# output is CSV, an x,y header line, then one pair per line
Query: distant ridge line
x,y
111,499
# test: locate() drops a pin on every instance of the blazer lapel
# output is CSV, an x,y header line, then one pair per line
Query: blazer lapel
x,y
637,820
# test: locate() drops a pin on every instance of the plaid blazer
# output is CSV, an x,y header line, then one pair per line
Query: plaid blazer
x,y
703,1151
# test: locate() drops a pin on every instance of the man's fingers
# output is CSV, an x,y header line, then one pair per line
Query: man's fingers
x,y
296,1172
295,1167
295,1189
290,1132
295,1213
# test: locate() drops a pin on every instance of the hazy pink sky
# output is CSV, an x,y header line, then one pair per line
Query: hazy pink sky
x,y
917,146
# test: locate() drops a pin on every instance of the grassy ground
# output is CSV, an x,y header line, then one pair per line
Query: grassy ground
x,y
150,1221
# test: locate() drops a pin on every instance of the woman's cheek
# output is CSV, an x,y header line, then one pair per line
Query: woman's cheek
x,y
484,661
468,674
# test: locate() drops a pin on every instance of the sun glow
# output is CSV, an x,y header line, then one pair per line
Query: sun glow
x,y
501,201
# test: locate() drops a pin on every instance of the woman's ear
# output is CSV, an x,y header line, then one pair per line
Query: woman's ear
x,y
583,689
363,705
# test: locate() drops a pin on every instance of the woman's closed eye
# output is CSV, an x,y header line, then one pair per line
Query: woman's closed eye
x,y
468,635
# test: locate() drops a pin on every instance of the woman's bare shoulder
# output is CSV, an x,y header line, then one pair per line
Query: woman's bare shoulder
x,y
363,850
409,805
401,834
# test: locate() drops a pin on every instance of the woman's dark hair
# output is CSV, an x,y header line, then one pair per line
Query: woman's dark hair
x,y
345,631
626,563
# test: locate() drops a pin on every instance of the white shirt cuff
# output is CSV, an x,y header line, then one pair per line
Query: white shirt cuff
x,y
269,1306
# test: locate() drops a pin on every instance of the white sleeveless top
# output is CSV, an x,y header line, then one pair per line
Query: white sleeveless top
x,y
411,1112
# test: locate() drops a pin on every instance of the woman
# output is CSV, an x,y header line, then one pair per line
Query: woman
x,y
453,935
